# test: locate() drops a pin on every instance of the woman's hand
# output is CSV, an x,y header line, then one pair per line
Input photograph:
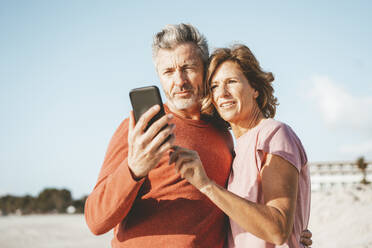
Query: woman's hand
x,y
188,164
305,238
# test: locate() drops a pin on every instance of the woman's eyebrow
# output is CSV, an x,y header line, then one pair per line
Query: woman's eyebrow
x,y
223,80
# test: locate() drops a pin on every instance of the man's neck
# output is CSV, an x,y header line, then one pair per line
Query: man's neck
x,y
192,113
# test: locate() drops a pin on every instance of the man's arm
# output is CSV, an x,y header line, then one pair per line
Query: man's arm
x,y
118,185
115,190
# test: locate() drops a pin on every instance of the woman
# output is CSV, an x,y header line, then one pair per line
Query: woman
x,y
268,195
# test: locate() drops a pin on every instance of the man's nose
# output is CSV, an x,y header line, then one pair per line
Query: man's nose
x,y
179,78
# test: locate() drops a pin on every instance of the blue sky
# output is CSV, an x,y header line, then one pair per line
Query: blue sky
x,y
66,68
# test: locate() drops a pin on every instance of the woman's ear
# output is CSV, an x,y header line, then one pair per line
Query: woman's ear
x,y
256,94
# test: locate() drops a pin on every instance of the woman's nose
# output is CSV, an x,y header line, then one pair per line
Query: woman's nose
x,y
219,92
222,91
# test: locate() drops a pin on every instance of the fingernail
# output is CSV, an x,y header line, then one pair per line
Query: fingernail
x,y
170,116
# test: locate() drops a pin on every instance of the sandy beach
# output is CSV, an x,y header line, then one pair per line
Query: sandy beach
x,y
340,217
49,231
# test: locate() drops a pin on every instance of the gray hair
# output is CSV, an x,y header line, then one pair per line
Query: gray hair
x,y
173,35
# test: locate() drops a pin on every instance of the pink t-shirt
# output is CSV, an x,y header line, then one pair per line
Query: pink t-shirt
x,y
277,138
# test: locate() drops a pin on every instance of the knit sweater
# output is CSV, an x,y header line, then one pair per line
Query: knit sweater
x,y
162,209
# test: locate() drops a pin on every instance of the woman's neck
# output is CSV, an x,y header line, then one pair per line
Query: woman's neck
x,y
245,125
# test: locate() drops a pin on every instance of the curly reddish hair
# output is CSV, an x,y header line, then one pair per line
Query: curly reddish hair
x,y
257,78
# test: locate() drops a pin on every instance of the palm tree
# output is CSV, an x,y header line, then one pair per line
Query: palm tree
x,y
362,165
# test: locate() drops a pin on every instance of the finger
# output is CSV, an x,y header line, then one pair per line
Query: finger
x,y
175,148
306,241
158,152
132,122
166,146
186,170
174,155
160,138
146,117
180,153
182,159
131,125
157,126
178,164
306,234
179,149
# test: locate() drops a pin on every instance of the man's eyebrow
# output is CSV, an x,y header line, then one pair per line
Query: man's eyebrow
x,y
167,68
190,63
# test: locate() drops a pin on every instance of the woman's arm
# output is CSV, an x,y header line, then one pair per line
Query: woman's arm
x,y
271,221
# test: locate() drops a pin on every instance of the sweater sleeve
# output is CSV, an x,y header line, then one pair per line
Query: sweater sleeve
x,y
115,190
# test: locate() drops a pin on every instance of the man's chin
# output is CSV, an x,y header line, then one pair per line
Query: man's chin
x,y
182,104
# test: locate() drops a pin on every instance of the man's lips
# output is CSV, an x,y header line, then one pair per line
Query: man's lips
x,y
183,93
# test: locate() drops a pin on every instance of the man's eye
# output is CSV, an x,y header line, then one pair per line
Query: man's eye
x,y
231,81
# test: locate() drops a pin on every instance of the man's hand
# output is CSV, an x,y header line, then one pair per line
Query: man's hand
x,y
188,164
146,148
306,238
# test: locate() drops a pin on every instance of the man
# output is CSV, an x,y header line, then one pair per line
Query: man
x,y
138,193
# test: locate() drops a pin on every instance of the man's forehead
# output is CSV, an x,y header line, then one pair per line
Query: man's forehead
x,y
184,53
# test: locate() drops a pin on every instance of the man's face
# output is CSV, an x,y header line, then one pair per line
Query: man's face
x,y
180,72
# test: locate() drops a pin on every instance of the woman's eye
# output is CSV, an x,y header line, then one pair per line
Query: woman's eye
x,y
213,87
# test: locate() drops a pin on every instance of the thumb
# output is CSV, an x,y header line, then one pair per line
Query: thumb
x,y
131,125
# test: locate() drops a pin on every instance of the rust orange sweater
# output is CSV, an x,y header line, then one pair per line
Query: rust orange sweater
x,y
161,210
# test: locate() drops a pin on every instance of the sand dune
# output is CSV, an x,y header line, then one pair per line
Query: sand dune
x,y
340,217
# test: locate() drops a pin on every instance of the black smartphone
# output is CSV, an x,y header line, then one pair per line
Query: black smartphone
x,y
144,98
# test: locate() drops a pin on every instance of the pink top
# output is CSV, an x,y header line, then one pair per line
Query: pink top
x,y
277,138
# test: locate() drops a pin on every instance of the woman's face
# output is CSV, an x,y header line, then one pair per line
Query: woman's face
x,y
232,95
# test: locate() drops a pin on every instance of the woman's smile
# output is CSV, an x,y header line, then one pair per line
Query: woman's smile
x,y
227,104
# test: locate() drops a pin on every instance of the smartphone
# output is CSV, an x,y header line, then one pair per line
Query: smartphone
x,y
144,98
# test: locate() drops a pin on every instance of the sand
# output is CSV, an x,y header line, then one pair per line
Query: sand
x,y
49,231
340,217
